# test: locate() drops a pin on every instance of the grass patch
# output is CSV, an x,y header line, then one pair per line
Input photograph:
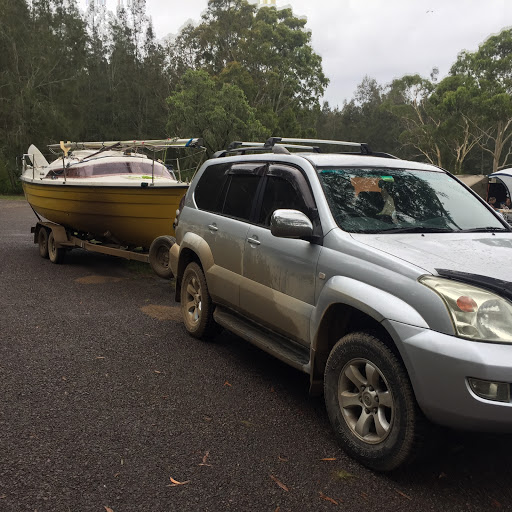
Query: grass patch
x,y
139,268
343,475
12,197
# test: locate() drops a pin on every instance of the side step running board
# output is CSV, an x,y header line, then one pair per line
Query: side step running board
x,y
288,351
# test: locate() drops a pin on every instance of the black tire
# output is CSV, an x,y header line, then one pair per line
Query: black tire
x,y
56,254
196,304
159,256
42,241
371,404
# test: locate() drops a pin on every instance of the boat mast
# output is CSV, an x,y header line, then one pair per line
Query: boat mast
x,y
64,155
153,169
178,166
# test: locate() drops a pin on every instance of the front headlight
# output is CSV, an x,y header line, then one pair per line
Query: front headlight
x,y
477,314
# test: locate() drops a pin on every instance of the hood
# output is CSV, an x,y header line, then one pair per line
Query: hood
x,y
483,254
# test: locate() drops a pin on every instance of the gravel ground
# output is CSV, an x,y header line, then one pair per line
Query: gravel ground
x,y
106,403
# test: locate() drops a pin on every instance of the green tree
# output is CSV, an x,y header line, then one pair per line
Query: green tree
x,y
364,119
134,86
408,99
453,102
217,112
43,60
265,52
489,71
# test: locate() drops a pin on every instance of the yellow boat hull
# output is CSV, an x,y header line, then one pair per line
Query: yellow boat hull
x,y
133,216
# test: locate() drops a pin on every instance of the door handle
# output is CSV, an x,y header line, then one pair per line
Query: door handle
x,y
213,227
254,241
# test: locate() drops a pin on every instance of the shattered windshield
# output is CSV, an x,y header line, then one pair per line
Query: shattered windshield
x,y
372,200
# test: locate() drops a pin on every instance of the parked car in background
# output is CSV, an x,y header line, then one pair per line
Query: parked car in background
x,y
500,186
387,281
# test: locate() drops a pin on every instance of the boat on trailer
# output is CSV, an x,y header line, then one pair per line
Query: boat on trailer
x,y
114,197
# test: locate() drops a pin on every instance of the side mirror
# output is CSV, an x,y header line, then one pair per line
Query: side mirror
x,y
290,224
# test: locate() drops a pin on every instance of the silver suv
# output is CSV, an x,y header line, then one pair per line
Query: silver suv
x,y
387,281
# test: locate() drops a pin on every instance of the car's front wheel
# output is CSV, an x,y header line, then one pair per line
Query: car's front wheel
x,y
371,404
196,303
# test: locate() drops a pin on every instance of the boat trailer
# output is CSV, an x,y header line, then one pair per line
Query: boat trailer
x,y
54,240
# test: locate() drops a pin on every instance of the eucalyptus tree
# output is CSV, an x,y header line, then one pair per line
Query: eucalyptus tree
x,y
489,75
96,112
218,112
364,118
42,47
265,52
137,81
14,101
408,99
453,101
15,44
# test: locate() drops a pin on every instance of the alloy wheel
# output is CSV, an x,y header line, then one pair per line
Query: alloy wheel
x,y
193,300
366,401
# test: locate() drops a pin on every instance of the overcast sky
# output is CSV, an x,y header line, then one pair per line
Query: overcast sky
x,y
384,39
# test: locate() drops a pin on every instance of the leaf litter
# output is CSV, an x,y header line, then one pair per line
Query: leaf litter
x,y
326,498
278,482
175,483
204,459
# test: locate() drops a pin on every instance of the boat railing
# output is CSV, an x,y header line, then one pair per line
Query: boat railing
x,y
25,165
153,145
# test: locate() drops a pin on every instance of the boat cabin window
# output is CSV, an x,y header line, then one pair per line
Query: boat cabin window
x,y
112,168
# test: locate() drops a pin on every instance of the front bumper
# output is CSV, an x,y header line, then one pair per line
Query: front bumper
x,y
439,367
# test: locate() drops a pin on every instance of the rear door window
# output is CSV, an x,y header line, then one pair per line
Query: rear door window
x,y
240,196
210,189
241,190
230,190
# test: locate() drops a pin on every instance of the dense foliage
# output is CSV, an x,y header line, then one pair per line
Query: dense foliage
x,y
242,73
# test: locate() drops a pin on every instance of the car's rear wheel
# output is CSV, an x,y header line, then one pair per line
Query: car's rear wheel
x,y
371,404
196,303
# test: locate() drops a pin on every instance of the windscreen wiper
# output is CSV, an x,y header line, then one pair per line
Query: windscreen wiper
x,y
419,229
484,230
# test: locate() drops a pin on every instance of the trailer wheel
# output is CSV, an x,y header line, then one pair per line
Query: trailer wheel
x,y
159,256
42,240
56,254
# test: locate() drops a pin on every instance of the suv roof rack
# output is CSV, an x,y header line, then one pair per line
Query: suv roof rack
x,y
280,145
363,146
270,145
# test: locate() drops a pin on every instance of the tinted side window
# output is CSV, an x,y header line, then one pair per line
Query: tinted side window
x,y
241,195
208,193
280,193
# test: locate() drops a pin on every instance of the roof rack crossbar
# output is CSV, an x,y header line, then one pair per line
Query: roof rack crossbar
x,y
280,140
265,145
242,148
